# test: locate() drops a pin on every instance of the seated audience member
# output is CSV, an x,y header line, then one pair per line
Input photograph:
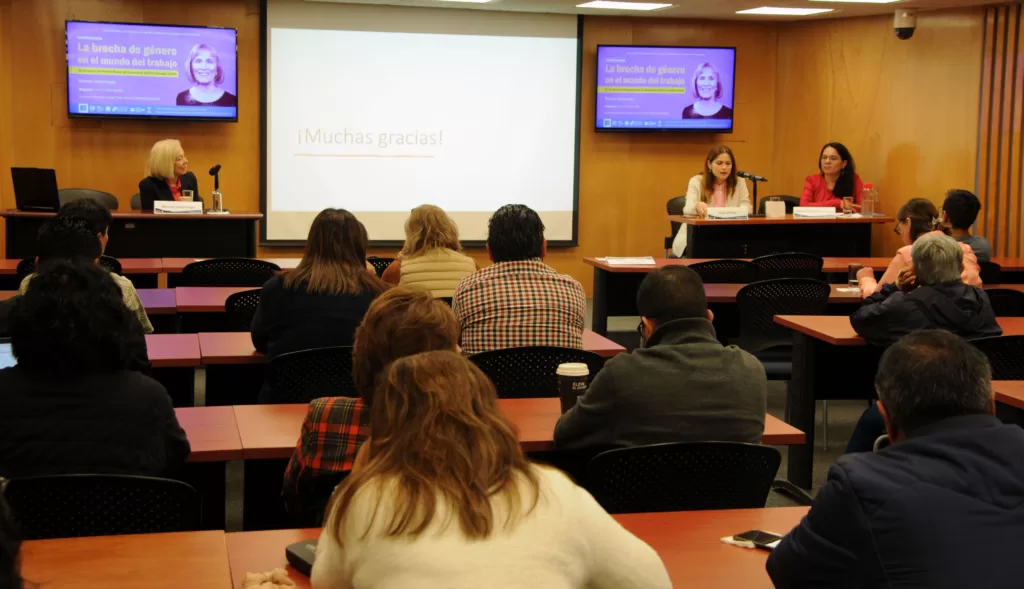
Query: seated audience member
x,y
403,321
96,216
68,237
432,256
320,303
442,496
72,404
959,212
943,507
519,300
916,218
10,548
682,385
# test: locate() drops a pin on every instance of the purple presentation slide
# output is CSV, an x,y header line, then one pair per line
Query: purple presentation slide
x,y
148,71
665,88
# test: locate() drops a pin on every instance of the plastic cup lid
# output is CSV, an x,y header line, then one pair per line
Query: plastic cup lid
x,y
573,369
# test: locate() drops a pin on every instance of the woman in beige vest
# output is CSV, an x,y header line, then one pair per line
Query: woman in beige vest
x,y
431,257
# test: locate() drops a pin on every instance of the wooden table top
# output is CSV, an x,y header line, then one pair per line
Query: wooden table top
x,y
176,265
726,293
271,431
212,432
831,265
128,266
787,220
205,299
158,301
172,350
142,215
688,542
1009,392
838,331
197,560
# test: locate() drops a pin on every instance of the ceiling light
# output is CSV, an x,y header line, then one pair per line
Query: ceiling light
x,y
469,1
779,11
860,1
611,5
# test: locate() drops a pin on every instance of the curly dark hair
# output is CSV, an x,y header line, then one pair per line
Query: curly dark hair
x,y
96,216
71,321
515,233
67,238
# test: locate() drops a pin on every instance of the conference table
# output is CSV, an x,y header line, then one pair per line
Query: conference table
x,y
1009,396
143,272
759,236
688,542
830,361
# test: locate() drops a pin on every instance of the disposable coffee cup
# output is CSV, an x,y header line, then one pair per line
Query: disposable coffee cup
x,y
572,382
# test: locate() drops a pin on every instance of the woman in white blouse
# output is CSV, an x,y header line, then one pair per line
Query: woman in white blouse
x,y
716,186
441,496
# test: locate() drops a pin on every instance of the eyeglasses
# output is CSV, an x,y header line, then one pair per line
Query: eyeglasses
x,y
830,158
899,223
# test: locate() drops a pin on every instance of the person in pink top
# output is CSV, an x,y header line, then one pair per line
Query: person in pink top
x,y
916,218
838,179
716,186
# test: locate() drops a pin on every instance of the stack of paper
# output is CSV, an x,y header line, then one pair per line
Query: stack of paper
x,y
645,261
815,212
731,213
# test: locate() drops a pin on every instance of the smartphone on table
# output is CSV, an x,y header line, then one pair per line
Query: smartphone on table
x,y
760,539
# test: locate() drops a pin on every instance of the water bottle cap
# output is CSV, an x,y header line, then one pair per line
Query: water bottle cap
x,y
869,185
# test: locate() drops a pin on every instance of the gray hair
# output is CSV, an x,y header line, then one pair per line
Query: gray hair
x,y
931,375
937,258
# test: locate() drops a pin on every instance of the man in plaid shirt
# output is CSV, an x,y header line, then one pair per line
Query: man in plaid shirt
x,y
519,300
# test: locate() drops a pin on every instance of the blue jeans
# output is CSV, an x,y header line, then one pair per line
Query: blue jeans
x,y
869,427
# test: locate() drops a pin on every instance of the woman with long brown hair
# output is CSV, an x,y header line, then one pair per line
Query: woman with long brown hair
x,y
442,496
321,302
432,255
716,186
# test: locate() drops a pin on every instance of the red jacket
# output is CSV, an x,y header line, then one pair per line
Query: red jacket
x,y
817,194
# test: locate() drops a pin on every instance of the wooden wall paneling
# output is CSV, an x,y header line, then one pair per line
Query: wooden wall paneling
x,y
6,86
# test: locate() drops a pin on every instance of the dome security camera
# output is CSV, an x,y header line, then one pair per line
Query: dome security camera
x,y
905,23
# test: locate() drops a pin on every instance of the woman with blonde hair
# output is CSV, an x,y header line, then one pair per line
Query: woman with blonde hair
x,y
716,186
432,257
167,175
442,496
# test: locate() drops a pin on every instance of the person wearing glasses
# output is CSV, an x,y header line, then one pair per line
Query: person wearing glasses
x,y
837,179
916,218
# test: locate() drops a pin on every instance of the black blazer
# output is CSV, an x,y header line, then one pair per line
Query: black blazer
x,y
153,189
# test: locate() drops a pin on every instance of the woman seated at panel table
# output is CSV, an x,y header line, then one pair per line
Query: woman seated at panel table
x,y
432,255
716,186
916,218
168,175
403,321
837,178
442,496
72,405
322,301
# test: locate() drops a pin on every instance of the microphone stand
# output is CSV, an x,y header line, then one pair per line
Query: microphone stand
x,y
754,182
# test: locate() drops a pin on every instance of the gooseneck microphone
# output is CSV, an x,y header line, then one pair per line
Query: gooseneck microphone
x,y
215,172
750,176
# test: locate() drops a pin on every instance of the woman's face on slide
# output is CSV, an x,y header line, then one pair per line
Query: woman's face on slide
x,y
831,163
707,84
721,167
180,163
204,67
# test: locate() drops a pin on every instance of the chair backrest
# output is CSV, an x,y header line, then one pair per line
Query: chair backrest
x,y
1006,302
25,267
379,264
310,506
726,271
66,195
991,273
675,206
1004,354
110,264
791,202
529,372
759,302
789,265
136,202
683,476
300,377
75,505
445,300
241,308
228,272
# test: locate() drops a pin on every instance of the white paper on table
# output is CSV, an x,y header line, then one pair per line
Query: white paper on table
x,y
644,261
731,213
178,207
815,212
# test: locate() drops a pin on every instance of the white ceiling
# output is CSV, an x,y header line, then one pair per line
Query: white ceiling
x,y
709,9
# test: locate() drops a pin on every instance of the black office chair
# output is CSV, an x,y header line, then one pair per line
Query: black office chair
x,y
991,273
110,264
228,272
75,505
683,476
136,202
1004,353
379,264
66,195
445,300
1006,302
789,265
25,268
791,202
529,372
310,506
300,377
726,271
241,308
758,304
674,206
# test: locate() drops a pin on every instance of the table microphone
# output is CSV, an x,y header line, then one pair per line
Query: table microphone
x,y
215,172
750,176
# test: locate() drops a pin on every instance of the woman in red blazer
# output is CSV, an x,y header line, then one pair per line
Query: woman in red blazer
x,y
837,179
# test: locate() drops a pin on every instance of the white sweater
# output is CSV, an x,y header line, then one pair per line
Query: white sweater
x,y
740,197
567,542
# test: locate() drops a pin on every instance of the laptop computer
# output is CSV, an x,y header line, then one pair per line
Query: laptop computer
x,y
35,189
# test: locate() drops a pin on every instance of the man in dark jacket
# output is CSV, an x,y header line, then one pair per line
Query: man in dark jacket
x,y
942,508
930,295
681,386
